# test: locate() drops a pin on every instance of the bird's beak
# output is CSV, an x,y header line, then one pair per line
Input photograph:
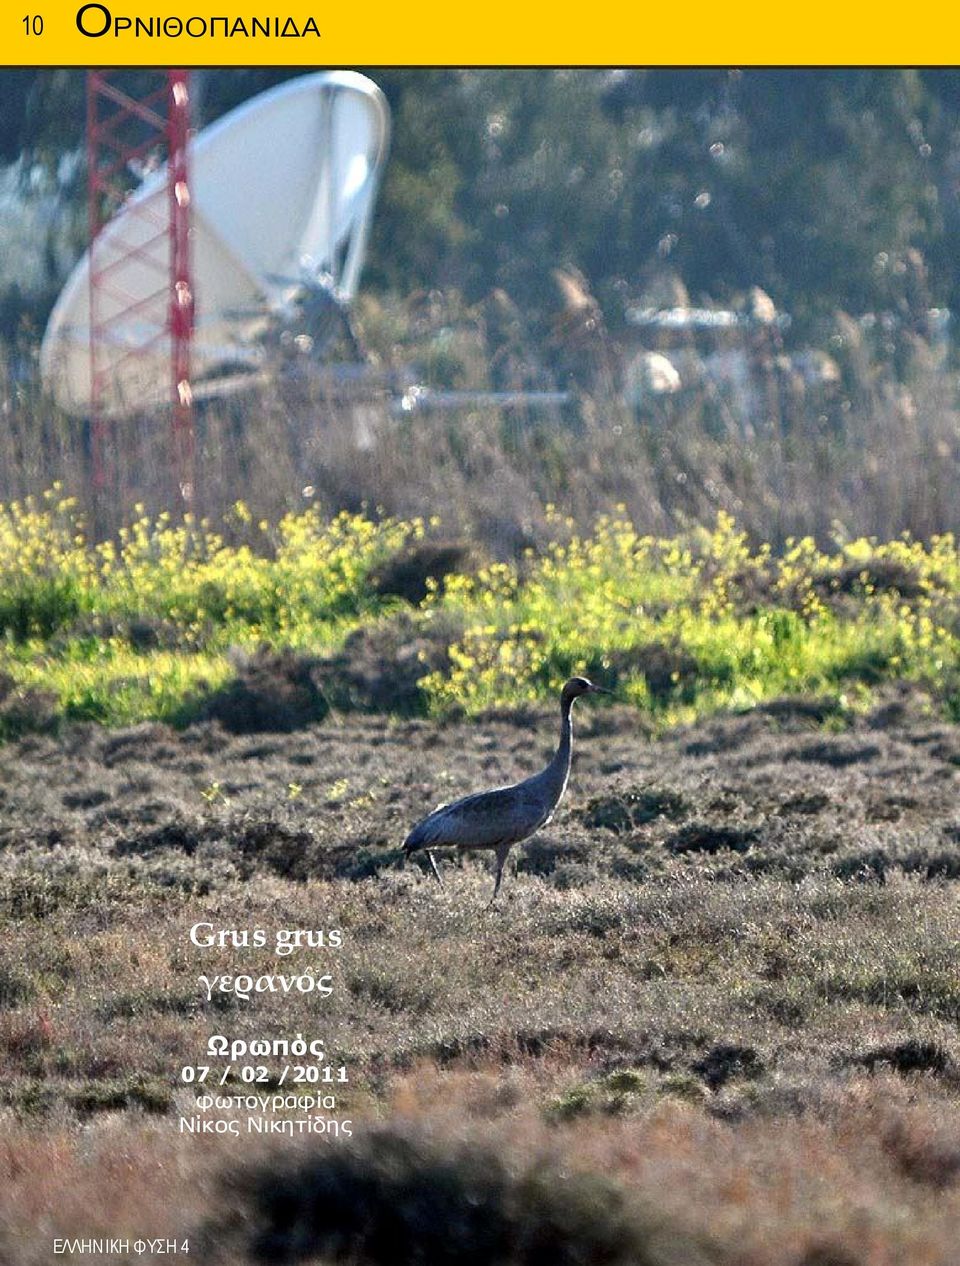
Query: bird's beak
x,y
600,690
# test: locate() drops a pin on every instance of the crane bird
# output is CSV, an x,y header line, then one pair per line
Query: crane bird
x,y
500,818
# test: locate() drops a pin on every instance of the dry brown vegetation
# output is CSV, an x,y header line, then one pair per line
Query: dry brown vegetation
x,y
876,458
713,1019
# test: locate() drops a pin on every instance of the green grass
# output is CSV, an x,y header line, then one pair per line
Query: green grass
x,y
141,628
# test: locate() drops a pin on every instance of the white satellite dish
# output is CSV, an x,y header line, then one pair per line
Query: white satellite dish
x,y
281,195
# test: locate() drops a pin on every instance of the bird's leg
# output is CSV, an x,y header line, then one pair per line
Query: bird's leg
x,y
502,852
433,867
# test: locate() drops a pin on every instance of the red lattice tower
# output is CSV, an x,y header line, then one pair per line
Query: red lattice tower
x,y
136,121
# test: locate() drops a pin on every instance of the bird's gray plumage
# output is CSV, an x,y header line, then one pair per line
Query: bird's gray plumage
x,y
500,818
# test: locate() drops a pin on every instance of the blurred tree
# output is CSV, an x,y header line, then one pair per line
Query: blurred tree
x,y
828,188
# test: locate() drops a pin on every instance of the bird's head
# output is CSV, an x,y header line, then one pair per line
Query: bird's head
x,y
578,686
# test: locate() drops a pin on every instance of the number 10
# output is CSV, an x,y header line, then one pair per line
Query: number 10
x,y
34,25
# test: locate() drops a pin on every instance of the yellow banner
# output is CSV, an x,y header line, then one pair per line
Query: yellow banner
x,y
498,33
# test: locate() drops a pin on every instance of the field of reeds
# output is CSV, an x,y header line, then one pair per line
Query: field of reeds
x,y
870,454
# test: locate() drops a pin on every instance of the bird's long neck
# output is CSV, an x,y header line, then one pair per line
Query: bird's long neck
x,y
558,770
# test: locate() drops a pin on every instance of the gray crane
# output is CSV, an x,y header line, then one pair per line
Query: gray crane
x,y
500,818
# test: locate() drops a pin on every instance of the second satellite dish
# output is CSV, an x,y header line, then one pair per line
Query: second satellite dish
x,y
282,192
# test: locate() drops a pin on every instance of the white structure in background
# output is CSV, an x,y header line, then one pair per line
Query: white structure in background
x,y
282,194
647,376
